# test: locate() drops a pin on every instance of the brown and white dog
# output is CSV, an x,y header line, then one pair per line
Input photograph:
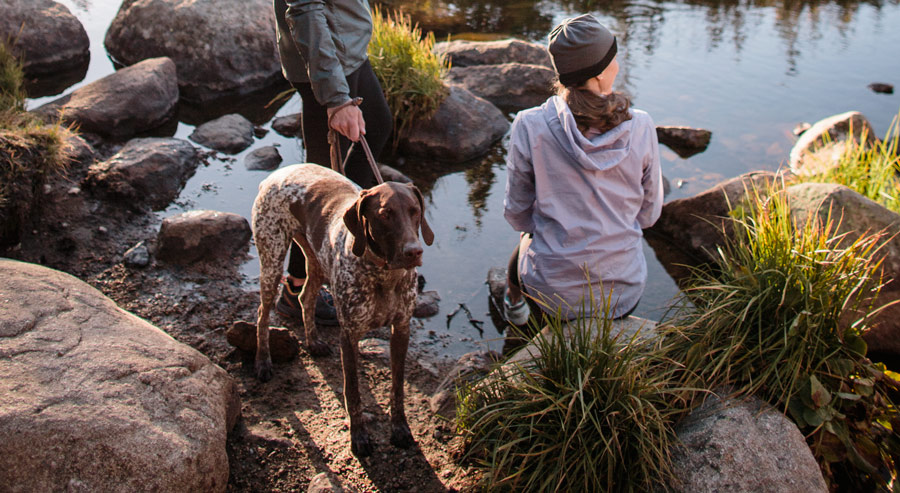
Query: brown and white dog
x,y
365,245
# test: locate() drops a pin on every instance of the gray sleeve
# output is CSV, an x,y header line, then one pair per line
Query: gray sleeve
x,y
651,181
312,36
518,206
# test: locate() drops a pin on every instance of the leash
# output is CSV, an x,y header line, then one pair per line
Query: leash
x,y
334,141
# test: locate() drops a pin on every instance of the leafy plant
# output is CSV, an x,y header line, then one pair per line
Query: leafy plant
x,y
12,91
773,318
411,74
593,413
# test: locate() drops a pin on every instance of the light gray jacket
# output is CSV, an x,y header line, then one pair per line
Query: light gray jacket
x,y
585,201
321,42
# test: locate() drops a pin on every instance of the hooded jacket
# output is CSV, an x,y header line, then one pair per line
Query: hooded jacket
x,y
585,201
321,42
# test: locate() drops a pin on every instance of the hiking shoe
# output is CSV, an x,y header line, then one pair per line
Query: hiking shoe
x,y
516,314
288,305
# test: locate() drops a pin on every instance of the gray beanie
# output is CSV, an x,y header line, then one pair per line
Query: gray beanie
x,y
580,48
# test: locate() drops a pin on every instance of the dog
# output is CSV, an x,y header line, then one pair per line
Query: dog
x,y
365,245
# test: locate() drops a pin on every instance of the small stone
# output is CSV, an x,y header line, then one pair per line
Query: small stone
x,y
283,344
137,256
685,141
47,189
427,304
882,87
102,230
230,133
679,183
260,132
265,158
64,225
74,191
288,125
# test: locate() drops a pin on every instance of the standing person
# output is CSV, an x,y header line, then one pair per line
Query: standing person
x,y
583,180
323,47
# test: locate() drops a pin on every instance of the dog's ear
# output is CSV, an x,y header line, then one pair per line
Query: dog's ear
x,y
355,221
427,234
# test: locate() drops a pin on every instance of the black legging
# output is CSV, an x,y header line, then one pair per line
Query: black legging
x,y
363,83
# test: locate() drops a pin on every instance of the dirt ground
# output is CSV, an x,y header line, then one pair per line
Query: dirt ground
x,y
293,427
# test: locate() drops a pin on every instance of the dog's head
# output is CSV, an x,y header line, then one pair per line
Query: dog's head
x,y
386,219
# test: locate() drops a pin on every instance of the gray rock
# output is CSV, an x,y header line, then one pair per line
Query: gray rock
x,y
496,281
49,39
882,87
427,304
509,86
201,236
132,100
393,174
221,47
79,150
811,154
288,125
265,158
230,133
467,53
743,446
323,483
685,141
93,398
464,127
470,367
149,171
137,256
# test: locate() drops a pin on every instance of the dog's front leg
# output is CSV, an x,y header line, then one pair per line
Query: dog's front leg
x,y
400,434
359,438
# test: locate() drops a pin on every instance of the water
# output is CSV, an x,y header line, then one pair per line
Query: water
x,y
747,70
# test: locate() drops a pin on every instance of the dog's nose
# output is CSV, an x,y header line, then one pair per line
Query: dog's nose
x,y
413,254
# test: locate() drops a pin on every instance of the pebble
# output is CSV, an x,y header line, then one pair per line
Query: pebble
x,y
74,191
679,183
137,256
64,225
102,230
47,189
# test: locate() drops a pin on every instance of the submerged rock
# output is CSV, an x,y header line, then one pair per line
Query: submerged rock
x,y
288,125
230,133
202,235
149,171
685,141
468,53
48,38
743,446
464,127
265,158
221,47
820,147
132,100
93,398
510,86
882,87
427,304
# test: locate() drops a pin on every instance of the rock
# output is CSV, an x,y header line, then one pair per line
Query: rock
x,y
132,100
260,132
743,446
812,155
427,304
509,86
230,133
464,127
288,125
496,281
137,256
882,87
93,398
49,39
859,215
79,150
467,53
283,344
221,47
323,483
801,127
149,171
685,141
265,158
202,235
470,367
392,174
375,348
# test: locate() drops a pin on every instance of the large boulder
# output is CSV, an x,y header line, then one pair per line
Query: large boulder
x,y
150,171
857,215
230,133
464,127
132,100
510,86
48,38
743,446
469,368
820,147
93,398
462,53
221,47
202,235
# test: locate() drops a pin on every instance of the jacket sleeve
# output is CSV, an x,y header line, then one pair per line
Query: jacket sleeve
x,y
312,36
651,181
518,205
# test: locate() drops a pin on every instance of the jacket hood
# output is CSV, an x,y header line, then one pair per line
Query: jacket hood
x,y
597,152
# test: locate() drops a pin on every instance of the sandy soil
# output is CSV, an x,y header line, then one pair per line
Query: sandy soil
x,y
293,427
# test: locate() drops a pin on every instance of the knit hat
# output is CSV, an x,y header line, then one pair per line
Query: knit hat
x,y
580,48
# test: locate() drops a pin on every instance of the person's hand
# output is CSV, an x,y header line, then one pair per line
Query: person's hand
x,y
348,121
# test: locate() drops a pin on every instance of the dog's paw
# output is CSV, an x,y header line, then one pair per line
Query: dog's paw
x,y
264,370
401,437
360,444
318,349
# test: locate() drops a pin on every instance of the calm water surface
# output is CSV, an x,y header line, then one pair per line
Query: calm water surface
x,y
747,70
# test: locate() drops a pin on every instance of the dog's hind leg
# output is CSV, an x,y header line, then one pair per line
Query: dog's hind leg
x,y
308,295
272,243
400,434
